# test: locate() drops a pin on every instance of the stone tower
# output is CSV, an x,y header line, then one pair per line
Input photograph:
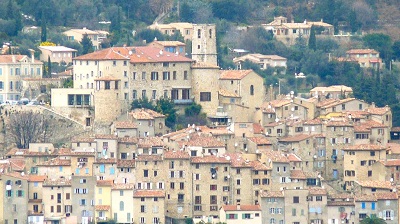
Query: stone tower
x,y
107,99
204,43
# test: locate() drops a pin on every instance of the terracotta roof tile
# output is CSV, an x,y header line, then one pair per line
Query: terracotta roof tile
x,y
343,123
238,161
375,184
11,58
107,78
293,158
272,194
124,125
105,161
317,191
17,164
386,196
365,197
203,141
113,53
362,51
36,178
227,93
104,183
257,128
82,139
275,156
260,140
295,138
103,136
394,148
176,154
362,147
297,174
367,125
234,74
133,140
145,114
395,129
150,142
210,159
241,208
257,165
391,162
148,193
312,122
153,54
126,163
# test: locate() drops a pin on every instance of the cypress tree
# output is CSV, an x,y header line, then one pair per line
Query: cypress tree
x,y
312,42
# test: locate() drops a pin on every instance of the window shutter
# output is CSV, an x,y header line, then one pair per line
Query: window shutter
x,y
183,173
391,215
199,177
243,216
151,186
236,216
227,216
380,214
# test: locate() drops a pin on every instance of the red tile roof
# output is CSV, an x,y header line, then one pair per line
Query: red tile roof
x,y
210,159
362,51
105,161
36,178
386,196
148,193
145,114
272,194
17,175
378,110
126,163
153,54
176,154
317,191
260,140
124,125
113,53
234,74
203,141
150,142
375,184
295,138
241,208
362,147
149,158
104,183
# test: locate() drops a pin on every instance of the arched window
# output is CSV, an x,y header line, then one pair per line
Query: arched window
x,y
121,205
251,90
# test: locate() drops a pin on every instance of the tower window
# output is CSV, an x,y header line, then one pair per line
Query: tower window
x,y
251,90
199,33
210,32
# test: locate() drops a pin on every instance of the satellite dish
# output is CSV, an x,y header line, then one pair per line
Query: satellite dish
x,y
161,52
22,174
105,157
276,119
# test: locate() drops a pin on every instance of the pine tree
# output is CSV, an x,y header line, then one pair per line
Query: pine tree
x,y
87,45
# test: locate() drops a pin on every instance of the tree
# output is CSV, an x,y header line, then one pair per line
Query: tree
x,y
372,220
87,45
312,41
380,42
167,107
48,67
28,127
396,50
142,103
43,26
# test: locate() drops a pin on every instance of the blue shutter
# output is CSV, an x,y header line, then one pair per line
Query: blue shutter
x,y
112,170
363,205
102,168
77,171
373,205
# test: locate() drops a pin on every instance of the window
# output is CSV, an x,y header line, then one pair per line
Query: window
x,y
185,75
166,75
143,75
154,75
363,205
143,208
143,93
318,198
296,199
205,96
213,187
181,197
121,206
251,90
181,185
372,153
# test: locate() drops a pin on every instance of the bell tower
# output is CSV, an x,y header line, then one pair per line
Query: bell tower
x,y
204,43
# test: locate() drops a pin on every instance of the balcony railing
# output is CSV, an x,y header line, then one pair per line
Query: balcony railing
x,y
183,101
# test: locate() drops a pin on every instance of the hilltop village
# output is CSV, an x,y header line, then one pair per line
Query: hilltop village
x,y
264,157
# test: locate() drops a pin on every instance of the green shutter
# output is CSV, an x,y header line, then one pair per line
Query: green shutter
x,y
227,216
23,193
243,216
236,216
11,193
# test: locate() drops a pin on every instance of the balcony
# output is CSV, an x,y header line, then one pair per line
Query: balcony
x,y
35,213
35,201
183,101
102,219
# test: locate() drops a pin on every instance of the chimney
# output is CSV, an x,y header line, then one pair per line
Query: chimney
x,y
13,59
238,207
32,55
